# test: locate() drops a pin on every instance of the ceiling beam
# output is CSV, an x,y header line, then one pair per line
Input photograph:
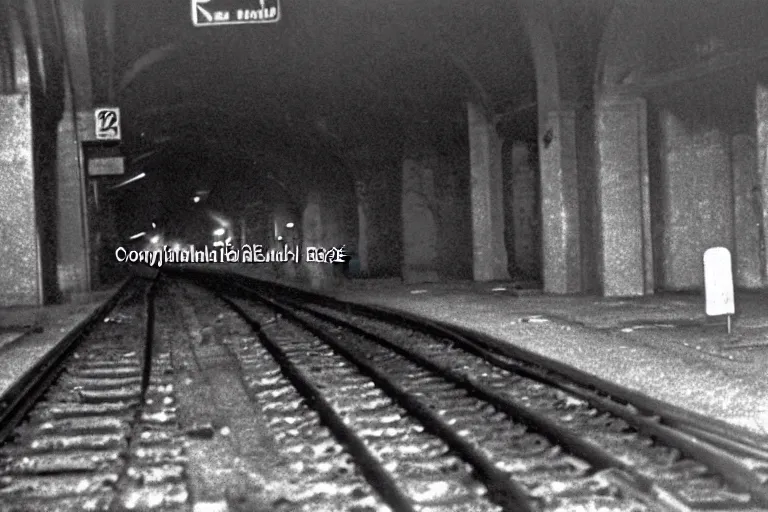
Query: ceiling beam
x,y
724,62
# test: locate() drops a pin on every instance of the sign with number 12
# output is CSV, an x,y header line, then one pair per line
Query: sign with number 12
x,y
107,123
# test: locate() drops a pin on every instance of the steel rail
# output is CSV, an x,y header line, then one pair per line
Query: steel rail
x,y
503,491
717,432
732,469
369,466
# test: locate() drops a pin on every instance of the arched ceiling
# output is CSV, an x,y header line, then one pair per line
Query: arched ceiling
x,y
338,68
326,80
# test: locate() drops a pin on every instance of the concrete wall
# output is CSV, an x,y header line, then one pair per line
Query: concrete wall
x,y
523,214
385,233
698,200
454,237
436,208
747,211
420,212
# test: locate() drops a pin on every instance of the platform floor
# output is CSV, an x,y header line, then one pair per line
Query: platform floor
x,y
27,334
662,345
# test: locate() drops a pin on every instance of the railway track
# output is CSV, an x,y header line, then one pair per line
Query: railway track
x,y
590,452
315,407
94,429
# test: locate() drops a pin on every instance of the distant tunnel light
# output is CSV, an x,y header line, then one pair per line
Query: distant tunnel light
x,y
155,239
154,225
289,225
130,180
280,237
219,231
196,199
138,235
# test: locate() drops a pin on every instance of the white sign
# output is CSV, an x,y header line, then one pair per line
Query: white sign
x,y
108,166
107,123
718,282
207,13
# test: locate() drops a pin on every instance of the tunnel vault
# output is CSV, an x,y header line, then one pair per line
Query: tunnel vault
x,y
623,159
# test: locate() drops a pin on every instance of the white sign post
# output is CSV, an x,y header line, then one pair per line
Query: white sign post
x,y
718,283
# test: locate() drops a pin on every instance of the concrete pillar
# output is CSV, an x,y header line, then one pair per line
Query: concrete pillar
x,y
761,110
747,210
321,227
626,257
561,253
24,275
73,240
363,206
76,266
20,279
489,256
419,214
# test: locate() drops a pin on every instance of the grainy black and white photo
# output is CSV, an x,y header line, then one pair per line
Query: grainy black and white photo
x,y
383,256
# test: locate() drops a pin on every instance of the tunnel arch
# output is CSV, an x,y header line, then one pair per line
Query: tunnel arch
x,y
536,22
145,62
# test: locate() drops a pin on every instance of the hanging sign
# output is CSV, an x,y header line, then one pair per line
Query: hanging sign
x,y
207,13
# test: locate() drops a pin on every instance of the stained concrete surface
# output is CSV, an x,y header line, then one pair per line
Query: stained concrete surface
x,y
19,280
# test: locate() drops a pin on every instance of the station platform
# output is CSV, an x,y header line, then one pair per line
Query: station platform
x,y
662,345
28,334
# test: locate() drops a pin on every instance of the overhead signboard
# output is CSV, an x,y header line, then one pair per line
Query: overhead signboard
x,y
107,123
207,13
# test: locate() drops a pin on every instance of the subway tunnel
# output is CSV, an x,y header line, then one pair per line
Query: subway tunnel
x,y
377,256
